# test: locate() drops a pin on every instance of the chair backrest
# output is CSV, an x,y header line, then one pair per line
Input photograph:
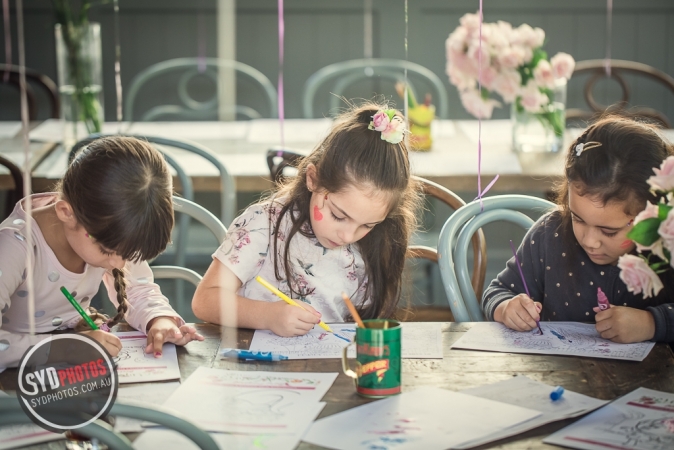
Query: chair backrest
x,y
11,413
15,194
192,108
179,272
33,78
345,73
456,235
596,68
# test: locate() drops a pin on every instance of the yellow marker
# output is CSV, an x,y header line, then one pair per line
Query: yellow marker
x,y
287,299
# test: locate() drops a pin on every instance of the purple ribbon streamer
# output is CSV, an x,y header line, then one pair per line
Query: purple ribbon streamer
x,y
517,261
118,68
281,34
8,39
201,43
609,27
479,119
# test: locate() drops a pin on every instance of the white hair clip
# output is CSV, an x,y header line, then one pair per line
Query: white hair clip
x,y
580,148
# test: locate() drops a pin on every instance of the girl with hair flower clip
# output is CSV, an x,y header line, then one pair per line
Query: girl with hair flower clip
x,y
570,257
342,225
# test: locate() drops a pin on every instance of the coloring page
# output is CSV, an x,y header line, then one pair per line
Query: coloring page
x,y
419,340
640,420
251,401
136,366
558,338
428,418
164,439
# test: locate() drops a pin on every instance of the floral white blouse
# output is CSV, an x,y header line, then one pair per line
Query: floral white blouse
x,y
320,275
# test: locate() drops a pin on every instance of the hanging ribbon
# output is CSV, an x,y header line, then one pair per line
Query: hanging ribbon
x,y
27,187
201,42
281,33
118,68
367,29
405,99
8,39
609,26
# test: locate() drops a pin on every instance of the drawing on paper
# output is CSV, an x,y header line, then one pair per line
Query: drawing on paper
x,y
315,344
639,431
561,338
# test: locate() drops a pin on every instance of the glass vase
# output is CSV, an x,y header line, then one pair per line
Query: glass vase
x,y
79,64
542,131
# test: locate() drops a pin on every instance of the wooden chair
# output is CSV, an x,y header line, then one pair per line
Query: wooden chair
x,y
37,79
191,108
15,194
279,159
458,232
596,68
345,73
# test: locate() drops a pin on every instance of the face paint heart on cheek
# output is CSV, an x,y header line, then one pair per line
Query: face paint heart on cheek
x,y
317,214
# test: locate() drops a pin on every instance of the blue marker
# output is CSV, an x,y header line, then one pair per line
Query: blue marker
x,y
557,393
245,354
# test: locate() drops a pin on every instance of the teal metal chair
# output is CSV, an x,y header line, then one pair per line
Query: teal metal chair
x,y
202,215
456,235
11,413
191,108
345,73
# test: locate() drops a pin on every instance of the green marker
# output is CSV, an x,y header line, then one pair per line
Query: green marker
x,y
79,309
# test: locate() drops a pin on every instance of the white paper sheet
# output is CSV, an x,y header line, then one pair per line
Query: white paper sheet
x,y
268,131
15,436
161,438
136,366
427,418
527,393
9,130
251,401
558,338
642,419
419,340
154,394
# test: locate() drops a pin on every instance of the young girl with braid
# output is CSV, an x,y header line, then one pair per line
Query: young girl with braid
x,y
112,212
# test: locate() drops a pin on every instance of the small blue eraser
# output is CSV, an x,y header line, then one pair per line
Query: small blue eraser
x,y
557,393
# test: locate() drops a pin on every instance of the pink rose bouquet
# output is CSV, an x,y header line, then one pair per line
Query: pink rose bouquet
x,y
653,231
514,66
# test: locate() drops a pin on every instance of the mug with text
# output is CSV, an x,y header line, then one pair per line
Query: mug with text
x,y
378,358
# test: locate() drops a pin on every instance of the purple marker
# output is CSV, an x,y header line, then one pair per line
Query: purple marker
x,y
602,300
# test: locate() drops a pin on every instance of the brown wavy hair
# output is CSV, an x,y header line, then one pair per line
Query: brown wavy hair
x,y
120,190
617,170
351,155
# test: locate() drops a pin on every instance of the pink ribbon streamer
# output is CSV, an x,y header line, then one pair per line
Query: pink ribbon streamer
x,y
8,38
609,26
201,43
479,119
281,34
118,67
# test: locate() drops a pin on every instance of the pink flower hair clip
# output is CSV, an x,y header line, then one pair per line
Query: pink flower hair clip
x,y
392,127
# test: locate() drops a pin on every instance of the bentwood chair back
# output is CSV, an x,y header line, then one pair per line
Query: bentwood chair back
x,y
456,235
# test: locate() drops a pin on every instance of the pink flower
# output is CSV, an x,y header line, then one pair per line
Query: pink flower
x,y
488,76
380,121
638,277
476,105
562,65
532,98
459,78
394,131
507,84
470,21
511,57
663,180
649,212
543,74
666,231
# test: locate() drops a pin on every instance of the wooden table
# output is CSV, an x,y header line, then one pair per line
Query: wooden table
x,y
460,369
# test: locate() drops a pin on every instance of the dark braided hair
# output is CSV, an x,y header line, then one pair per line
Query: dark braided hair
x,y
120,190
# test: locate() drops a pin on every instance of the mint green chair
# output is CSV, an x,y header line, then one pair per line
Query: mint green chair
x,y
336,77
191,108
11,413
455,237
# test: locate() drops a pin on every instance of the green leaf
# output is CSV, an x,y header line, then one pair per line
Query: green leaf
x,y
645,232
663,210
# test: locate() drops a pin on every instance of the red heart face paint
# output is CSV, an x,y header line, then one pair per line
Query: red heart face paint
x,y
626,244
317,214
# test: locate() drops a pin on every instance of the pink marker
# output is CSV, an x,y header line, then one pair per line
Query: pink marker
x,y
602,300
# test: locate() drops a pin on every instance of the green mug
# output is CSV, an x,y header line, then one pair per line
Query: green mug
x,y
378,358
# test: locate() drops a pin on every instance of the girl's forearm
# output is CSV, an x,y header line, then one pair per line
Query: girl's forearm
x,y
214,305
